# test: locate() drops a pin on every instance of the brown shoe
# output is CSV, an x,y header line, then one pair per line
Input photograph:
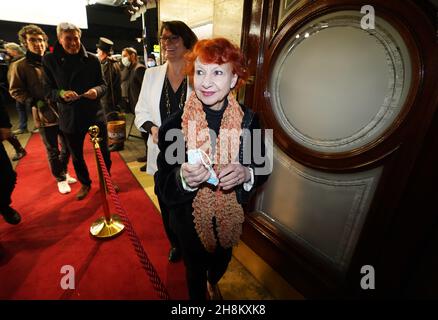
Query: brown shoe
x,y
83,192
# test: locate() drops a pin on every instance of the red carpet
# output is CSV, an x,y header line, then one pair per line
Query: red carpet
x,y
54,232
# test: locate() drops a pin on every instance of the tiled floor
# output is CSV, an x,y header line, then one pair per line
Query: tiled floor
x,y
237,283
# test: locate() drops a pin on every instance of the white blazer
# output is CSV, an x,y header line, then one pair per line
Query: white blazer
x,y
148,108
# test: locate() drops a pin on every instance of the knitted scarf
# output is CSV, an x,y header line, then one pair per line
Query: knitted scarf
x,y
211,202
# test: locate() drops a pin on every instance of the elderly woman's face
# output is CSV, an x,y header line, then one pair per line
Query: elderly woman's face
x,y
213,82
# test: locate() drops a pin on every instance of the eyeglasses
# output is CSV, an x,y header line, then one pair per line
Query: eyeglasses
x,y
35,40
172,39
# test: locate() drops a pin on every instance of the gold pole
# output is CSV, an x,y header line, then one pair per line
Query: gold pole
x,y
109,225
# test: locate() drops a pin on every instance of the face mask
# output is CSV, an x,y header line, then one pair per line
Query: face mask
x,y
151,63
126,62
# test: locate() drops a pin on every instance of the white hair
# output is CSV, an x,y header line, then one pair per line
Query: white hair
x,y
66,27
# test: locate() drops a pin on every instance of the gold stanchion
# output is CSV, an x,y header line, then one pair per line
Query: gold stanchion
x,y
109,225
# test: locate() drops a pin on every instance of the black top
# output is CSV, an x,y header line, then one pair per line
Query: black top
x,y
34,57
214,117
170,101
168,181
4,117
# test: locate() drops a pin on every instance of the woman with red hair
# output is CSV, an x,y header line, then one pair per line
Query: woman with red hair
x,y
208,186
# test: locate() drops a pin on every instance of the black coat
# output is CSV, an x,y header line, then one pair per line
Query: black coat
x,y
112,98
85,74
135,80
168,183
4,117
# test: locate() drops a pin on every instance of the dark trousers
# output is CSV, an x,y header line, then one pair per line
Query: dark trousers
x,y
22,115
8,177
58,159
75,144
203,266
13,140
200,264
165,216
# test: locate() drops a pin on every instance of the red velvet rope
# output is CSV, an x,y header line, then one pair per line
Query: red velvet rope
x,y
135,240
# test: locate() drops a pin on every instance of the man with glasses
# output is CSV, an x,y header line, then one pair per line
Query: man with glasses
x,y
73,78
26,87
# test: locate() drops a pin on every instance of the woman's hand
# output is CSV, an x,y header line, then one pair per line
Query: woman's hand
x,y
154,131
194,174
233,174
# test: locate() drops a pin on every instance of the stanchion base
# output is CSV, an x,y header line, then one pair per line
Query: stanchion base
x,y
101,229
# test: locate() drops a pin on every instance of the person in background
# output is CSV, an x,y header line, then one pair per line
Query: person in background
x,y
7,173
111,73
151,61
135,76
26,86
164,91
16,53
73,78
20,152
206,209
124,78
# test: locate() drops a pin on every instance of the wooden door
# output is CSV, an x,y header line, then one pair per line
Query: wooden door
x,y
352,106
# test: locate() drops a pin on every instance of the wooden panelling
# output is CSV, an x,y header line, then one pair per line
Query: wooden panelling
x,y
403,150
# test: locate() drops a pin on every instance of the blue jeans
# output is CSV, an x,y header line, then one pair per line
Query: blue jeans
x,y
22,115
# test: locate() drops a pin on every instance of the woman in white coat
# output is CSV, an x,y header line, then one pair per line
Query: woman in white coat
x,y
164,91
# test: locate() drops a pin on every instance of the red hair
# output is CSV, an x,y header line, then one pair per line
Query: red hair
x,y
218,51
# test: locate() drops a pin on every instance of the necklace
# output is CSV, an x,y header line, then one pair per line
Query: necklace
x,y
181,99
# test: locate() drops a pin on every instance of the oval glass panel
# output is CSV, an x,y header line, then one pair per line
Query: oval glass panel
x,y
335,86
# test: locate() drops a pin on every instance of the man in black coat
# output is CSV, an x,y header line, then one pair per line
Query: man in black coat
x,y
7,173
136,72
73,78
111,100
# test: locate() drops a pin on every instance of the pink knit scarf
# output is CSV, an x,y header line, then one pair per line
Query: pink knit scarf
x,y
211,202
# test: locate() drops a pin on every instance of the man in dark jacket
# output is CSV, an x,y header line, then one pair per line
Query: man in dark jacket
x,y
111,73
73,78
7,173
135,79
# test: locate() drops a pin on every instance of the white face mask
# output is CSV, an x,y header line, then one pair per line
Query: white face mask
x,y
126,62
151,64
